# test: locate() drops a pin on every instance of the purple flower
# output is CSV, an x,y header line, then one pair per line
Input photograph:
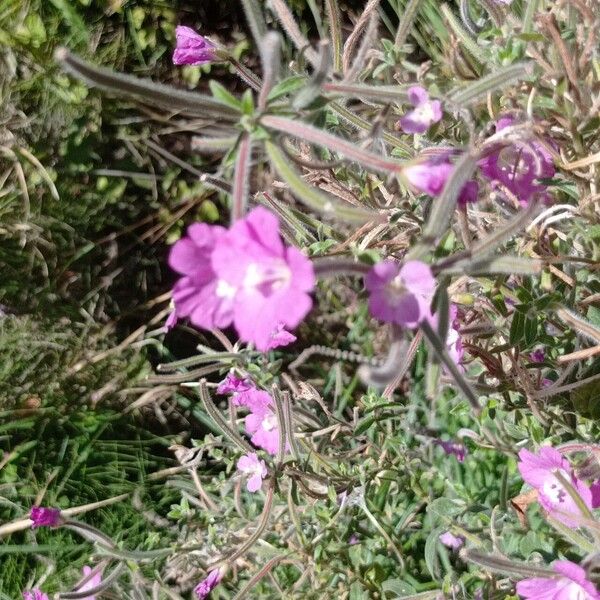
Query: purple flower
x,y
243,275
455,448
44,517
261,423
91,584
571,585
206,586
430,178
192,48
35,594
251,465
452,541
539,471
280,337
538,356
400,295
424,115
353,539
232,384
518,167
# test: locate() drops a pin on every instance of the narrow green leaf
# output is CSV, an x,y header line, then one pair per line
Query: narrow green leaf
x,y
312,197
341,146
384,93
145,90
498,80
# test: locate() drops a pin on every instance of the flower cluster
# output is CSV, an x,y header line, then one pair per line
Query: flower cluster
x,y
513,167
261,421
243,276
42,516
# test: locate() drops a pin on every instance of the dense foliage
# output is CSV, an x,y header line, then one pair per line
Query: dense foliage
x,y
378,373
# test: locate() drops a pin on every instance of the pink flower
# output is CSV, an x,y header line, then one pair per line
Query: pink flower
x,y
424,115
192,48
91,584
206,586
44,517
400,295
280,337
430,178
251,465
518,167
452,541
261,423
539,471
232,384
272,282
571,585
35,594
244,275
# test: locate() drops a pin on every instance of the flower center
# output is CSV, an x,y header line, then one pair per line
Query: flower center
x,y
554,490
513,161
267,278
225,289
269,422
395,289
423,112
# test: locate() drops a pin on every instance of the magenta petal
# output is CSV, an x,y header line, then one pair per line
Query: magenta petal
x,y
538,588
417,95
411,123
417,277
254,483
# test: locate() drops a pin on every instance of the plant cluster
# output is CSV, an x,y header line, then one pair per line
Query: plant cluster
x,y
399,317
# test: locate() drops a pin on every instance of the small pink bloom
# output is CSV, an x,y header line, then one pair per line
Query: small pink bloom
x,y
424,115
280,337
430,178
251,465
206,586
519,166
244,275
353,539
232,384
572,584
35,594
262,425
44,517
93,582
452,541
192,48
400,295
539,471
